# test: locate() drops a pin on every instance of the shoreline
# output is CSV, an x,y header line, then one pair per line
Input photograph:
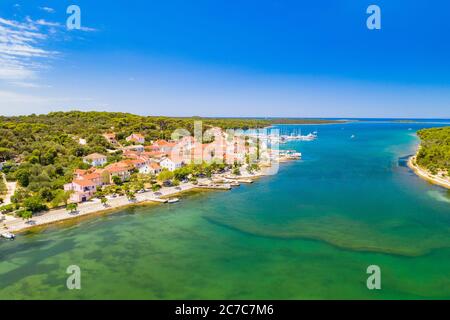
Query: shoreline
x,y
425,175
95,207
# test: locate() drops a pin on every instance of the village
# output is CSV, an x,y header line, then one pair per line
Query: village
x,y
232,155
159,157
154,170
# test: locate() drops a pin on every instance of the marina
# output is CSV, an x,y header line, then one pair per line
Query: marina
x,y
281,137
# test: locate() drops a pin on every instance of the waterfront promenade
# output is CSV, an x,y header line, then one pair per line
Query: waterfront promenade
x,y
14,224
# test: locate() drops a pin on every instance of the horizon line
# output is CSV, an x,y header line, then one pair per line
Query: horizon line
x,y
234,117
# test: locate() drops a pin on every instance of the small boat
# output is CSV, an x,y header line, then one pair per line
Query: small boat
x,y
173,200
8,235
353,136
295,155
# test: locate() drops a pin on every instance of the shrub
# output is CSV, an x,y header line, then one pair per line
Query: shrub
x,y
7,208
24,214
35,204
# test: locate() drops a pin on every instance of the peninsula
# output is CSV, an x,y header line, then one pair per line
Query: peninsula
x,y
432,160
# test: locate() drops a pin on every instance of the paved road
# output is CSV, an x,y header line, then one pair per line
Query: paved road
x,y
11,189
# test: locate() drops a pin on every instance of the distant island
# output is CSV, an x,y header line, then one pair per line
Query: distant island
x,y
432,161
75,163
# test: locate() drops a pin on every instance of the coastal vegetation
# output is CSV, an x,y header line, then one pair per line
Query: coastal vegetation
x,y
71,207
434,152
42,152
3,188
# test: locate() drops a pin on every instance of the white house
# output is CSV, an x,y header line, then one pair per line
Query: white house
x,y
171,164
137,148
95,159
150,168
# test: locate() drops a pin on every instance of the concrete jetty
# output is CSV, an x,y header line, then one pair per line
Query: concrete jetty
x,y
214,186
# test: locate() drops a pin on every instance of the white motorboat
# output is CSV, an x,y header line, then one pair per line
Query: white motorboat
x,y
8,235
173,200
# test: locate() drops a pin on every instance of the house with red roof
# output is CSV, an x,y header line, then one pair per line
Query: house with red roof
x,y
86,183
154,154
120,169
165,146
82,189
152,148
139,163
154,168
136,138
110,137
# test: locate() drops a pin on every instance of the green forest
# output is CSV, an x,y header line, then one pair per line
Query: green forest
x,y
434,153
41,152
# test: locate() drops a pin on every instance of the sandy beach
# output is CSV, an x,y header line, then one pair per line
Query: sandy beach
x,y
424,174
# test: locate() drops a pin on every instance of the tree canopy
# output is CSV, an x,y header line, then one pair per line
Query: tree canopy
x,y
434,153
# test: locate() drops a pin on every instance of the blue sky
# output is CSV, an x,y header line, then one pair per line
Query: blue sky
x,y
227,58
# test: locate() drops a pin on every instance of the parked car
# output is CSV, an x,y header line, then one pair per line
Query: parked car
x,y
167,183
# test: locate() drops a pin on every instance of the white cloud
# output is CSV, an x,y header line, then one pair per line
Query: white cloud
x,y
47,9
18,25
14,70
21,48
43,22
87,29
31,85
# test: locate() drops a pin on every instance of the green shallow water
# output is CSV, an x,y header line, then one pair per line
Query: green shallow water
x,y
308,232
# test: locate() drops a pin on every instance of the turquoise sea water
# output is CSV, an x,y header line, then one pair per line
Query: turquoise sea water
x,y
308,232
